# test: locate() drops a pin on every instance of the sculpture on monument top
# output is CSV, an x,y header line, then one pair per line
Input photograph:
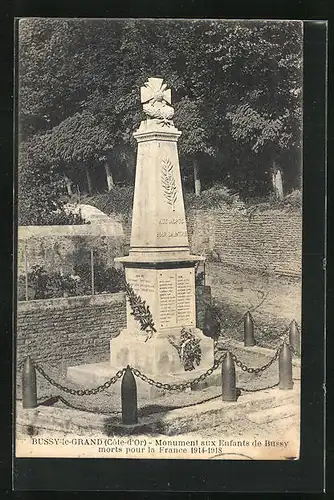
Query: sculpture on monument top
x,y
156,98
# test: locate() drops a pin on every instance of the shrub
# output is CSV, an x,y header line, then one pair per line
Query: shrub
x,y
45,285
21,289
291,202
199,278
294,199
57,217
63,218
106,279
217,196
40,281
109,279
117,201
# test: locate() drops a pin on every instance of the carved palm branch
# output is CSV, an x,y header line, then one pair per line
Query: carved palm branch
x,y
168,183
140,311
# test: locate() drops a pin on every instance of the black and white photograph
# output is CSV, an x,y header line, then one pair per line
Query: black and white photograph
x,y
159,240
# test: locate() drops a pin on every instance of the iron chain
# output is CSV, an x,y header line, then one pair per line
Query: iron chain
x,y
198,402
80,392
157,384
261,388
248,369
182,386
285,333
40,398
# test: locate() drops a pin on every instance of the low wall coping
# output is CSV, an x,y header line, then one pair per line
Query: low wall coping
x,y
68,302
111,229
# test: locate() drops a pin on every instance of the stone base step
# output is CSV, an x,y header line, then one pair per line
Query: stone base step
x,y
92,375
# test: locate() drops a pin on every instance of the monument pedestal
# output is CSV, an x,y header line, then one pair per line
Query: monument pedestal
x,y
168,287
157,356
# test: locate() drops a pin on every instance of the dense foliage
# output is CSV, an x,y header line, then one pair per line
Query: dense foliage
x,y
43,284
218,197
236,90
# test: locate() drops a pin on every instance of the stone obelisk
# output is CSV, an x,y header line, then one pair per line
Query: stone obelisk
x,y
159,267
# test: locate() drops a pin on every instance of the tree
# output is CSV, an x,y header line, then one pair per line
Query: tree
x,y
238,112
62,63
39,187
264,114
78,142
194,139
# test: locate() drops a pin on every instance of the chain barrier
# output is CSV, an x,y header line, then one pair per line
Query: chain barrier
x,y
243,389
157,384
199,402
117,412
182,386
284,334
80,392
293,352
41,398
152,382
256,371
263,368
259,369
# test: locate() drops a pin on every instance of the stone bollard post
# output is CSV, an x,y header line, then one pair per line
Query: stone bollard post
x,y
294,337
229,390
285,368
129,398
29,386
248,330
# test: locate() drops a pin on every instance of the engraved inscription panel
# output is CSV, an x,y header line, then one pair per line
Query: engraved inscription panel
x,y
177,298
167,298
142,280
185,297
172,231
172,227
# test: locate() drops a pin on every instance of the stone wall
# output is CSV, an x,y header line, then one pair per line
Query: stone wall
x,y
69,331
265,241
76,330
268,241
